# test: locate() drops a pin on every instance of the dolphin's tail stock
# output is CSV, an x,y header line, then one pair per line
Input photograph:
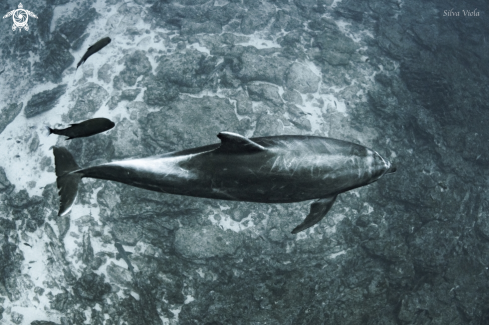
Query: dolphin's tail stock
x,y
67,179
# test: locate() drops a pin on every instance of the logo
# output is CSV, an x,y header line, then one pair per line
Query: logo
x,y
20,17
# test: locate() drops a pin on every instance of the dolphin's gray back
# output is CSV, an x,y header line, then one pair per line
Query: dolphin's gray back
x,y
289,169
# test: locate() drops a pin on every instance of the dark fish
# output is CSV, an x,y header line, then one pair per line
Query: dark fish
x,y
94,49
124,255
27,244
85,129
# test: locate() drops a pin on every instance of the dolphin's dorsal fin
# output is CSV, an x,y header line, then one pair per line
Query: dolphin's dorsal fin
x,y
235,143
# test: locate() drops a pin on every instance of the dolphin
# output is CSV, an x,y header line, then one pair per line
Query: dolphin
x,y
94,49
275,169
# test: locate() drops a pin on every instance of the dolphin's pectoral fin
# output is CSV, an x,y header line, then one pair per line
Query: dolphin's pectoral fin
x,y
235,143
318,210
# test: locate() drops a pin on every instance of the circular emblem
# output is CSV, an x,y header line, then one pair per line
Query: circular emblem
x,y
20,17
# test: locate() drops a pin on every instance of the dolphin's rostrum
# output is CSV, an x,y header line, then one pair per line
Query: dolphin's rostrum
x,y
276,169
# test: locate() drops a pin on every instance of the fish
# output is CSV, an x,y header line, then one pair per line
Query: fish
x,y
85,128
124,255
94,49
274,169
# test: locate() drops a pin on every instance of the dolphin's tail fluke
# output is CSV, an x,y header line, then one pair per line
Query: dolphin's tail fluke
x,y
67,178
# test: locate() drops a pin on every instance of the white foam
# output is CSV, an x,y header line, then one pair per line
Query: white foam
x,y
257,40
225,222
200,48
335,255
188,299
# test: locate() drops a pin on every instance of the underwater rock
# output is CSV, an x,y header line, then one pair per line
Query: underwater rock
x,y
8,114
44,25
105,72
4,182
186,123
292,96
91,288
350,11
21,45
244,106
130,94
54,59
336,48
126,94
264,92
189,71
20,199
34,143
205,242
87,250
434,259
63,224
89,98
79,42
302,123
432,87
208,27
268,125
302,79
74,28
255,67
159,93
114,100
127,234
135,64
16,318
119,274
126,140
44,101
257,18
50,232
144,310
